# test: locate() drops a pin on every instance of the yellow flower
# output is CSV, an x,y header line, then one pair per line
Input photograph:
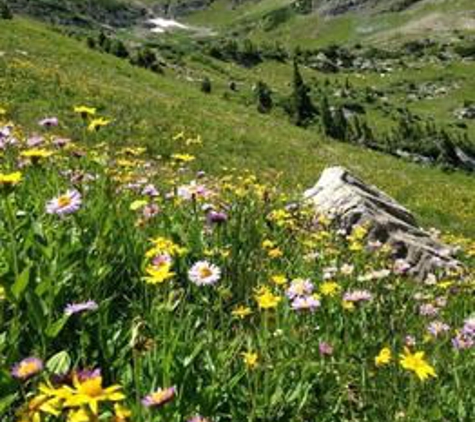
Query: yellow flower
x,y
90,392
121,413
384,357
136,205
158,274
10,179
279,279
415,362
41,404
36,154
329,288
275,253
79,416
3,295
250,359
347,306
266,299
85,111
96,124
184,158
241,311
268,244
3,111
162,245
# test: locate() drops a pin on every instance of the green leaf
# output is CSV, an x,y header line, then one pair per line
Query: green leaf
x,y
60,363
21,284
6,402
54,329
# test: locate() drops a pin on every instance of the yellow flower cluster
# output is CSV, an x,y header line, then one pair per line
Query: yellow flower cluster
x,y
80,402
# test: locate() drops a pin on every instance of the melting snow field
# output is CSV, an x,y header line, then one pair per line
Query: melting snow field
x,y
162,25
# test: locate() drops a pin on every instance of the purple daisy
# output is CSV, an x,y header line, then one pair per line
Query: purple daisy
x,y
49,122
357,296
65,204
215,217
35,141
160,397
77,308
299,287
204,273
27,368
150,190
436,328
302,303
325,348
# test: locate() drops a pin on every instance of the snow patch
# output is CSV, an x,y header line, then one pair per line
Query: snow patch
x,y
162,25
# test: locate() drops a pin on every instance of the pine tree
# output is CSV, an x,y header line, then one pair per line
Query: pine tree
x,y
301,107
326,116
206,85
5,12
263,97
118,49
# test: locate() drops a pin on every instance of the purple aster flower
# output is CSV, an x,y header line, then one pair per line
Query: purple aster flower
x,y
325,348
65,204
299,287
469,327
150,190
401,267
357,296
159,398
27,368
410,341
162,259
463,342
34,141
428,309
61,142
301,303
215,217
87,374
150,211
204,273
436,328
77,308
49,122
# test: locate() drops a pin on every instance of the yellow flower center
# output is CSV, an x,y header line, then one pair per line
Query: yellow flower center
x,y
64,201
205,272
92,387
27,368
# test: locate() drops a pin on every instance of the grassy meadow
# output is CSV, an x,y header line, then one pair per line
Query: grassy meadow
x,y
156,263
44,73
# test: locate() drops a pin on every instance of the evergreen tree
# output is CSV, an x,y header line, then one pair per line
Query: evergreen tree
x,y
327,117
5,12
118,49
206,85
301,107
263,97
91,42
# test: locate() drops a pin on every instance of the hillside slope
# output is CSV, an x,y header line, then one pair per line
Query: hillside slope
x,y
47,74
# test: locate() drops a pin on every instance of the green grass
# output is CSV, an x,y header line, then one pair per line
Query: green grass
x,y
45,73
154,326
313,31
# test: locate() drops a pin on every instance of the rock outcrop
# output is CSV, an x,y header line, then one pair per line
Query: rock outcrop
x,y
350,203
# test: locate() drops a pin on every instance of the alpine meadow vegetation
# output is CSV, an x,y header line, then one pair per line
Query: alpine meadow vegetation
x,y
158,260
141,288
